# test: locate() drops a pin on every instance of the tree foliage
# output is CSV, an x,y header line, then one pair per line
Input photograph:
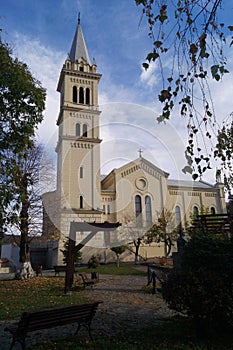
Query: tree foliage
x,y
23,183
22,101
188,42
203,287
224,151
77,254
118,251
163,231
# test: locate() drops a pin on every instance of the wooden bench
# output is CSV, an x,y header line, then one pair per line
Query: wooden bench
x,y
82,314
89,281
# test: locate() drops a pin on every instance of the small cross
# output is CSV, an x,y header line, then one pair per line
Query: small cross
x,y
140,151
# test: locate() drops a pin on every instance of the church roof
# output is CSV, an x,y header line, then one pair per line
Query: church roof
x,y
189,184
79,48
144,161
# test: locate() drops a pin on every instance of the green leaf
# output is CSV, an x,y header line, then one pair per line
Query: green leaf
x,y
145,66
157,43
187,169
197,160
195,176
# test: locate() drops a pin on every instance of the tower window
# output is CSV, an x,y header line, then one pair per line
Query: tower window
x,y
104,208
81,69
108,209
81,95
84,130
81,172
77,129
81,202
75,94
87,96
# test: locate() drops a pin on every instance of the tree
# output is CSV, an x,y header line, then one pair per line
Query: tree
x,y
137,243
22,101
163,231
188,45
201,288
77,254
24,186
118,251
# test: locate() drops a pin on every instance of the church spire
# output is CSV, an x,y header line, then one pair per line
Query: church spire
x,y
79,48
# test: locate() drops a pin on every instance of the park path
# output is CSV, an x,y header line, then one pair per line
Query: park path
x,y
125,305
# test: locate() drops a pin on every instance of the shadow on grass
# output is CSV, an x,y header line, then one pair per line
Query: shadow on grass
x,y
171,334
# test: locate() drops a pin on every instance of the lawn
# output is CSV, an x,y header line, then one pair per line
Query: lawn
x,y
174,334
43,292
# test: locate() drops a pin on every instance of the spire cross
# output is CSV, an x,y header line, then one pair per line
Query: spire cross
x,y
79,18
140,151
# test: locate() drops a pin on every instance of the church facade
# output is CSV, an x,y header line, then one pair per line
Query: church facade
x,y
133,195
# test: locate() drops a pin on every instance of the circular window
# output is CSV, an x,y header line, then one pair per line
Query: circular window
x,y
141,183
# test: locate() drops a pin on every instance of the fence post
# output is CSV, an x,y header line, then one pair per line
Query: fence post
x,y
154,290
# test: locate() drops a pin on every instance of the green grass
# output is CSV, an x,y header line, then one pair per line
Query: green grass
x,y
44,292
37,293
173,334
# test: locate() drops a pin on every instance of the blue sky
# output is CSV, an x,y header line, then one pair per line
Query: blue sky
x,y
41,34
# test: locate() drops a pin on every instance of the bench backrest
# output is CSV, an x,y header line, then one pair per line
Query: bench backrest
x,y
48,318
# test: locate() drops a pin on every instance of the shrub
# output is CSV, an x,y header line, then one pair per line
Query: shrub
x,y
93,262
77,255
203,287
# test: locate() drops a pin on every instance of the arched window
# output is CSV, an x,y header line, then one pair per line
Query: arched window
x,y
87,96
77,129
195,212
81,202
177,215
75,94
81,172
81,95
138,209
212,211
84,130
148,210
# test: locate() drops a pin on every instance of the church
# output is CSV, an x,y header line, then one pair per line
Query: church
x,y
133,195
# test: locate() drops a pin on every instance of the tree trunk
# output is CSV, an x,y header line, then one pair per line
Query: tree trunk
x,y
137,246
118,260
26,270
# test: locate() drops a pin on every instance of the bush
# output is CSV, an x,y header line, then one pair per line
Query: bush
x,y
203,287
77,255
93,262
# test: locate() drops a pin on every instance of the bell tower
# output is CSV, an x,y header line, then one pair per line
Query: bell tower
x,y
78,147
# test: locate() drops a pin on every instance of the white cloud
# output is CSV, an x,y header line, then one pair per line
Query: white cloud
x,y
45,65
149,76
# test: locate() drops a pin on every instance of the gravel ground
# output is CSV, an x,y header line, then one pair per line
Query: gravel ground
x,y
125,305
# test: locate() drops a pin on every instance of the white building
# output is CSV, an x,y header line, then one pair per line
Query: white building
x,y
133,194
